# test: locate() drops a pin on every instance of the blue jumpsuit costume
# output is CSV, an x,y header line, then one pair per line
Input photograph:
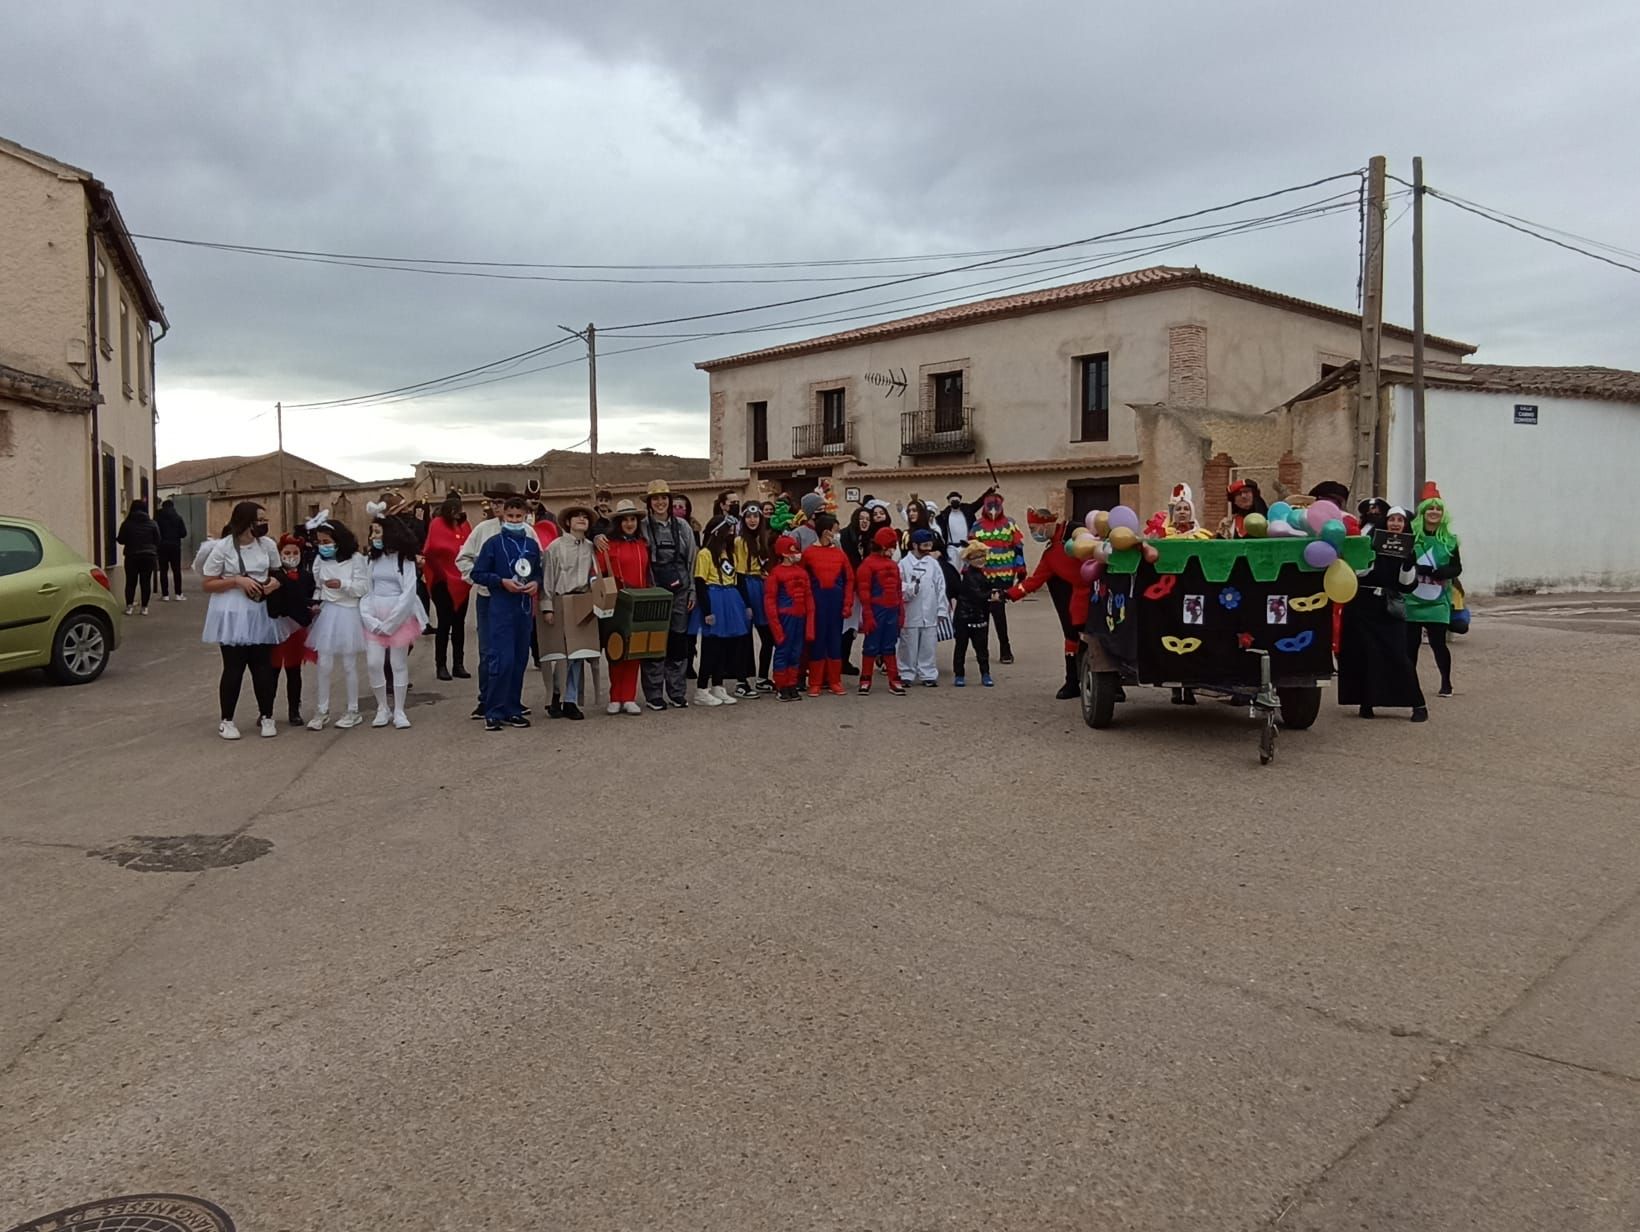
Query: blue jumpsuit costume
x,y
509,620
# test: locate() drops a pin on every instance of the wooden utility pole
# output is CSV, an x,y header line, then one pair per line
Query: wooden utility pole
x,y
284,511
1417,327
1372,319
592,409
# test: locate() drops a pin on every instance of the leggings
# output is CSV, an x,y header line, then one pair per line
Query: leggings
x,y
375,660
451,636
765,651
236,660
350,672
1437,647
140,569
977,636
999,617
170,566
716,661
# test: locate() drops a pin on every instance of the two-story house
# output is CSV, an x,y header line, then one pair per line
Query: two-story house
x,y
77,311
1076,396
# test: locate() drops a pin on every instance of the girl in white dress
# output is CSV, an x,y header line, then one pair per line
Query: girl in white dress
x,y
392,615
341,577
238,573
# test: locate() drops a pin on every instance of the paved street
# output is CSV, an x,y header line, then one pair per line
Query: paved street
x,y
945,961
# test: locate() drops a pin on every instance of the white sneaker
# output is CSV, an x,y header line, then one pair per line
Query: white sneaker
x,y
180,596
632,707
400,721
269,728
705,697
318,721
145,611
227,730
382,719
130,610
722,694
165,598
613,708
351,719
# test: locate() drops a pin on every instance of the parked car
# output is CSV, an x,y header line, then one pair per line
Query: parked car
x,y
57,610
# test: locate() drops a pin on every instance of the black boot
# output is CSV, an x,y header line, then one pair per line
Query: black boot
x,y
1072,687
443,670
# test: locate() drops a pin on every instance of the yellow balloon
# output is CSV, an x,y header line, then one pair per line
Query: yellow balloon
x,y
1101,523
1081,532
1084,548
1122,539
1339,582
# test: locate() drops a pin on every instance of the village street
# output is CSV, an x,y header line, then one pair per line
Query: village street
x,y
951,960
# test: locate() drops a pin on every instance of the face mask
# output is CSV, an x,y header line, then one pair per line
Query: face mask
x,y
291,562
514,528
377,544
260,530
328,551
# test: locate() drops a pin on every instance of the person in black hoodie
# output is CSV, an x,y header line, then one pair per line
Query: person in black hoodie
x,y
972,621
139,536
172,531
294,601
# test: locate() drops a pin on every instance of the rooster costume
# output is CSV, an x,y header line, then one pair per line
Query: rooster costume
x,y
1004,563
882,610
833,579
788,601
1071,595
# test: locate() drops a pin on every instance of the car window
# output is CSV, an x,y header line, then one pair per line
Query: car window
x,y
20,550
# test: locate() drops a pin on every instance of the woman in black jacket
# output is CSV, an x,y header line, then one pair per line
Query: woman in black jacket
x,y
139,536
172,532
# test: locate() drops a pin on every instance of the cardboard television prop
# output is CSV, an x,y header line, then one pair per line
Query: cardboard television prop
x,y
1190,618
639,627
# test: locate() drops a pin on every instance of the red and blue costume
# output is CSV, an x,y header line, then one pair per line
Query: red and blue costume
x,y
788,601
833,580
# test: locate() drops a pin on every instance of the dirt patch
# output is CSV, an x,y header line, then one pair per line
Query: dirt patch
x,y
183,853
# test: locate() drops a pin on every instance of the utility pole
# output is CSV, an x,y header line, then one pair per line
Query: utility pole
x,y
1372,319
592,410
284,513
1418,458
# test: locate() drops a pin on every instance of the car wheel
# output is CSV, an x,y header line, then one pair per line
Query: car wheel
x,y
79,653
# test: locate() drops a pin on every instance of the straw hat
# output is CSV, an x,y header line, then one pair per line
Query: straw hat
x,y
658,487
627,508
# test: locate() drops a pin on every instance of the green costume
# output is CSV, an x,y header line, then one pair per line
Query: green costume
x,y
1436,557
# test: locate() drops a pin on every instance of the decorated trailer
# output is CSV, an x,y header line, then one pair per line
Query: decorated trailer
x,y
1244,618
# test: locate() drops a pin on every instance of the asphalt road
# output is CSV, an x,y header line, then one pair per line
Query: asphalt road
x,y
945,961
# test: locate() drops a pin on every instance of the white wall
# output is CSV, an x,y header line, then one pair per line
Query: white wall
x,y
1538,507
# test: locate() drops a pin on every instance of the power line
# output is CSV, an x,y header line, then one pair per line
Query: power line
x,y
1497,217
494,363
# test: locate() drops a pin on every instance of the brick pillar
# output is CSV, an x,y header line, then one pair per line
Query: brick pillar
x,y
1290,474
1187,367
1213,503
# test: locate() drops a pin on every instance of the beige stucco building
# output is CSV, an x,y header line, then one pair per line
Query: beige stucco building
x,y
1077,395
77,312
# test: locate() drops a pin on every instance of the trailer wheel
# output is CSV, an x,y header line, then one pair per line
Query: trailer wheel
x,y
1300,706
1098,694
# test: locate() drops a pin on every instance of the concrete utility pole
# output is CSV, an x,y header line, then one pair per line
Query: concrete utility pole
x,y
1372,319
284,512
1417,327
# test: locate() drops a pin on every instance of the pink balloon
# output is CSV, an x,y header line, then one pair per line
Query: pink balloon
x,y
1123,516
1092,521
1320,513
1281,530
1091,569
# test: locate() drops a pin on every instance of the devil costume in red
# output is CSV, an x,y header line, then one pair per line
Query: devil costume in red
x,y
1062,573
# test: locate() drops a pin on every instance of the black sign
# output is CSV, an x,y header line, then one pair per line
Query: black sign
x,y
1525,413
1392,543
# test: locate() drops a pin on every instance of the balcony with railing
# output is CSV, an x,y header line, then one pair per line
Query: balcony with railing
x,y
825,439
945,430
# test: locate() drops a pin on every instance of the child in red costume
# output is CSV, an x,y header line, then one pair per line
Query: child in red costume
x,y
627,561
789,603
882,610
1070,594
833,581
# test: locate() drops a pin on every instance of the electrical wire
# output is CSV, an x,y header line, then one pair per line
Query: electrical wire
x,y
1502,221
494,363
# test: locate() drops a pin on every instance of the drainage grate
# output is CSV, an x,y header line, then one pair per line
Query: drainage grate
x,y
183,853
136,1213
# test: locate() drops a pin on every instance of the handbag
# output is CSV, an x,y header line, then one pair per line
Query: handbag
x,y
244,572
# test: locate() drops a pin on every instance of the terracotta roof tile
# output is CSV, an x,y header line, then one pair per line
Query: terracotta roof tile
x,y
195,469
1605,384
1133,282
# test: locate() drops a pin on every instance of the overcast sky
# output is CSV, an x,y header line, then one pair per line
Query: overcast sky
x,y
660,132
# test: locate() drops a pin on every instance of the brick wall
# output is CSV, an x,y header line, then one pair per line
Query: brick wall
x,y
1187,367
1211,502
1290,474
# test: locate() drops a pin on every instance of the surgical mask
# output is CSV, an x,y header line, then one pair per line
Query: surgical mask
x,y
377,544
291,562
328,551
514,528
260,530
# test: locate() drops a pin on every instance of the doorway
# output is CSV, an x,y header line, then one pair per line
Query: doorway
x,y
1090,494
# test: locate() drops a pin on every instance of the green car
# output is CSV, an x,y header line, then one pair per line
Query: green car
x,y
57,611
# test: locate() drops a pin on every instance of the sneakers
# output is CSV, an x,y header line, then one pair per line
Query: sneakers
x,y
930,684
632,708
478,712
896,688
145,611
705,697
384,716
571,711
491,725
1446,691
679,703
1006,658
765,685
270,729
318,721
165,598
227,730
722,695
613,708
1420,714
129,609
180,596
744,690
657,707
401,721
987,681
959,682
351,719
295,718
519,721
865,688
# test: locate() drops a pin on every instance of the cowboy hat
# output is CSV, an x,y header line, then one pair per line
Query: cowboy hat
x,y
628,508
658,487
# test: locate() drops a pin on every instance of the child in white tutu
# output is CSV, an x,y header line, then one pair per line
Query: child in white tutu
x,y
392,615
341,577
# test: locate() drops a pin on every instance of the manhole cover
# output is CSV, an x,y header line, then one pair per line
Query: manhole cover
x,y
183,853
137,1213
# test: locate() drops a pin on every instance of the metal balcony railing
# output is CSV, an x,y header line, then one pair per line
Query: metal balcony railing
x,y
817,440
940,431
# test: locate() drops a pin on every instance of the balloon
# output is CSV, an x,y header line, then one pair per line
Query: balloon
x,y
1092,520
1281,530
1101,523
1150,552
1279,511
1318,553
1091,569
1081,532
1320,513
1083,548
1254,526
1123,518
1352,524
1339,582
1297,520
1123,537
1332,530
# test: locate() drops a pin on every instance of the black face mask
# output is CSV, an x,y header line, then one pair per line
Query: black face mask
x,y
260,530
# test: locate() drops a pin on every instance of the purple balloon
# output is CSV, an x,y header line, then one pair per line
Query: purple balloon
x,y
1123,516
1091,569
1318,554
